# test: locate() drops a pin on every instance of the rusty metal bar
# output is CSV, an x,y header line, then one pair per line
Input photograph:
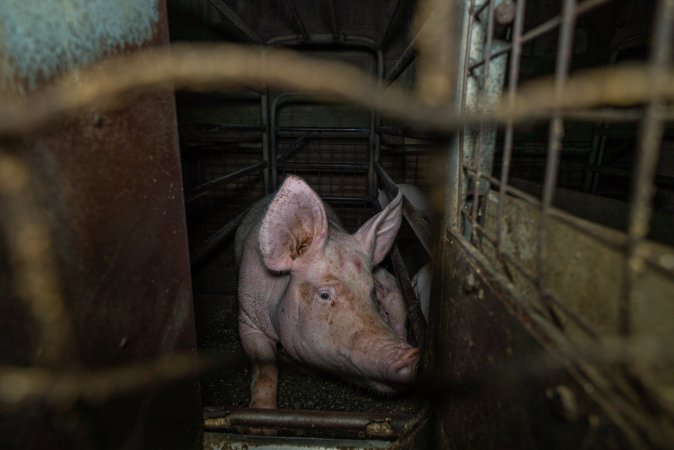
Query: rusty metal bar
x,y
643,187
235,20
367,424
297,20
214,242
554,146
541,29
419,225
193,192
510,127
483,98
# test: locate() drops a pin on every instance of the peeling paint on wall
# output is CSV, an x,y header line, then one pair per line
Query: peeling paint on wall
x,y
41,39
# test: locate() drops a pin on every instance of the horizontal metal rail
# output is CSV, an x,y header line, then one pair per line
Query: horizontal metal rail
x,y
366,424
322,167
224,179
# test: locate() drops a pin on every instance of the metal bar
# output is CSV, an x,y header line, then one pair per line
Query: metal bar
x,y
214,242
419,225
346,41
297,20
224,179
554,146
541,29
333,19
483,106
235,20
266,154
389,27
513,80
318,130
327,167
405,132
406,58
290,149
642,184
370,424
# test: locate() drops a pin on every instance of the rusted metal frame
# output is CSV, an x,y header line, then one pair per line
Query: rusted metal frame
x,y
482,100
612,401
510,128
235,20
554,148
541,29
419,225
332,13
372,425
297,20
216,240
290,149
650,135
457,173
207,186
29,244
581,225
455,195
569,312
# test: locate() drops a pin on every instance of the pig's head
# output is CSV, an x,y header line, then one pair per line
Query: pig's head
x,y
328,315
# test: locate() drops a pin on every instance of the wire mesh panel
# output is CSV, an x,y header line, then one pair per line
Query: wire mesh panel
x,y
532,198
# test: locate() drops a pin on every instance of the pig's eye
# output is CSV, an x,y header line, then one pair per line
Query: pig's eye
x,y
325,295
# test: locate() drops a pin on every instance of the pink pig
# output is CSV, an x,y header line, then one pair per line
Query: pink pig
x,y
308,284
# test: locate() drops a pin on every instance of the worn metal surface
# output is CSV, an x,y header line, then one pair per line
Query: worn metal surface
x,y
528,395
111,188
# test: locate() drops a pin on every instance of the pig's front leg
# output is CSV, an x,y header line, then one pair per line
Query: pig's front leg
x,y
261,351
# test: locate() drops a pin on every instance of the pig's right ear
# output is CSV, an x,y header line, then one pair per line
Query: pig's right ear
x,y
294,223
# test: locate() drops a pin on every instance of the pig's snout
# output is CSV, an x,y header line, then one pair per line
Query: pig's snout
x,y
404,369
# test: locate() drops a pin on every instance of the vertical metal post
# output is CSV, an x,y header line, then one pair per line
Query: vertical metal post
x,y
554,147
643,187
510,129
479,148
375,143
266,155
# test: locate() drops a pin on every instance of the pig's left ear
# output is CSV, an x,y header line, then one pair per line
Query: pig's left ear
x,y
295,222
378,234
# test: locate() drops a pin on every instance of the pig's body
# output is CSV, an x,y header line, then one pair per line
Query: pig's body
x,y
308,284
